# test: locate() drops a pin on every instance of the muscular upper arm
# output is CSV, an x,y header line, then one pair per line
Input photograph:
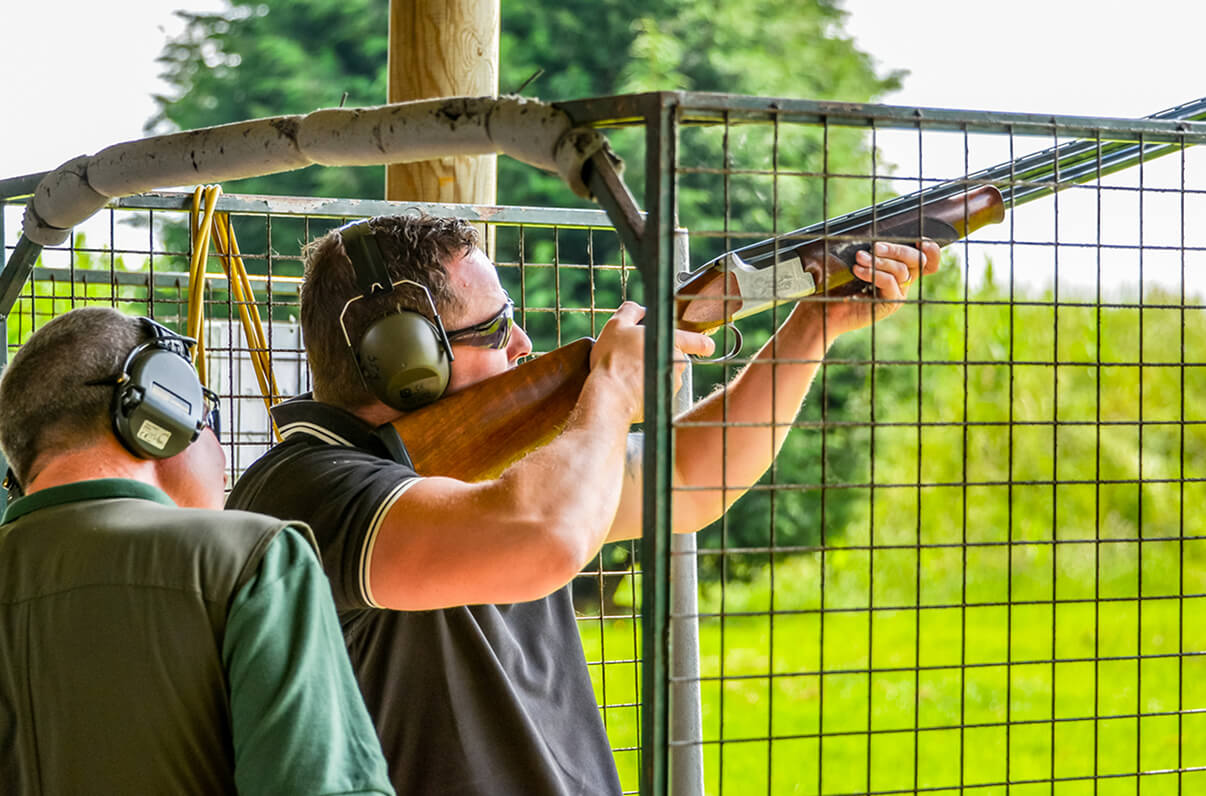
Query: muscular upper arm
x,y
445,542
520,536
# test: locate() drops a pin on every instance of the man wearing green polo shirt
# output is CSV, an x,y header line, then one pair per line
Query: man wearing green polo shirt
x,y
149,642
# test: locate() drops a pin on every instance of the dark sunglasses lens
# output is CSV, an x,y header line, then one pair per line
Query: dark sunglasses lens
x,y
498,335
494,333
213,417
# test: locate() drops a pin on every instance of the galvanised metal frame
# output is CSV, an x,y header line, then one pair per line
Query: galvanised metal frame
x,y
658,258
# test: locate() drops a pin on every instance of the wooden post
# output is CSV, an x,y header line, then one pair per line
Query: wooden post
x,y
443,48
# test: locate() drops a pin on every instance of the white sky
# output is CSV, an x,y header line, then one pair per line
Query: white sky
x,y
1086,57
1072,57
78,75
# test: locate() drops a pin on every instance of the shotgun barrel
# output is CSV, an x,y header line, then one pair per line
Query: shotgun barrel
x,y
757,276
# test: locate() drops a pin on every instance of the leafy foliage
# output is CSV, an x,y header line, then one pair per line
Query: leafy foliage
x,y
254,60
45,298
989,471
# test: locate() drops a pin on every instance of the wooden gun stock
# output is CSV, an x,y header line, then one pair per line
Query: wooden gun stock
x,y
789,268
478,432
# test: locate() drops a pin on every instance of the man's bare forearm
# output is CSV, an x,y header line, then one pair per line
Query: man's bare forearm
x,y
725,442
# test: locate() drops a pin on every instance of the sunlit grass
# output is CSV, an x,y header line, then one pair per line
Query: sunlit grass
x,y
905,697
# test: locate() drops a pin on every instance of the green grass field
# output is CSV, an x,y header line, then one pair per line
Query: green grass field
x,y
898,698
1016,603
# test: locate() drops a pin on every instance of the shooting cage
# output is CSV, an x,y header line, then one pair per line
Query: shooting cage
x,y
970,571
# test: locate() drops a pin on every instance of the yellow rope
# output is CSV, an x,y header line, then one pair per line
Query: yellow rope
x,y
200,228
207,225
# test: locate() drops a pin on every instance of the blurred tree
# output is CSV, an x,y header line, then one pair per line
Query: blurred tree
x,y
254,60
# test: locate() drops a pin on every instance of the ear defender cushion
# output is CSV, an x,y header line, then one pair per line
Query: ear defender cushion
x,y
158,411
403,362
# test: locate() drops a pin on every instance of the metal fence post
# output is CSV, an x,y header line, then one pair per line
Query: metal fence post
x,y
686,721
658,267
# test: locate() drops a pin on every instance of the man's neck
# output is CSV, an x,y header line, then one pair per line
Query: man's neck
x,y
377,414
374,414
102,460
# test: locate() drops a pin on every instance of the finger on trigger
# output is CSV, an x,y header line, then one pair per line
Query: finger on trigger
x,y
933,256
694,343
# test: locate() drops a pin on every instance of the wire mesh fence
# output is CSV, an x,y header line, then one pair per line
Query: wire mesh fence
x,y
970,569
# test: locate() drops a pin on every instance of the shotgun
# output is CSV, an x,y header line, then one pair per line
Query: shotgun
x,y
802,263
527,406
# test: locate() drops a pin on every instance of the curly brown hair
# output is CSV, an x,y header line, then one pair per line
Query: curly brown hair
x,y
415,247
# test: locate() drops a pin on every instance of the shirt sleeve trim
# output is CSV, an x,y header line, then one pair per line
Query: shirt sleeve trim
x,y
370,540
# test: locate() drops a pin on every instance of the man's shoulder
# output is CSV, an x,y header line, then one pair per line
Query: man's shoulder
x,y
130,541
301,464
224,548
336,490
241,531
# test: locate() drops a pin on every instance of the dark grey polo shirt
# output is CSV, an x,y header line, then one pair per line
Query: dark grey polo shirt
x,y
482,699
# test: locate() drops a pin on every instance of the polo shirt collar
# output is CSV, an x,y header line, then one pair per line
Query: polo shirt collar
x,y
96,489
303,417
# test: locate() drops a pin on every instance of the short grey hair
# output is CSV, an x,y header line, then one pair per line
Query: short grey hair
x,y
49,398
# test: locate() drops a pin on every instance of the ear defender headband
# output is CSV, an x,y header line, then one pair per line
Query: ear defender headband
x,y
159,406
404,358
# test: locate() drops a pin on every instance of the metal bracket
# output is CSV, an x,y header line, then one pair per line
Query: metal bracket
x,y
16,272
613,196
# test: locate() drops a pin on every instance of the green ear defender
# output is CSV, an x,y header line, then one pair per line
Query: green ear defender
x,y
404,358
402,361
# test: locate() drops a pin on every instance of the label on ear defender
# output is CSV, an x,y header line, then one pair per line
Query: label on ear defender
x,y
153,435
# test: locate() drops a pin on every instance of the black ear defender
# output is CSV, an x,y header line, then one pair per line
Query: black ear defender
x,y
404,357
159,406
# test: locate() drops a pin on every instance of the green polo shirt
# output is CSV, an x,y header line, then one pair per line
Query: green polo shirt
x,y
297,721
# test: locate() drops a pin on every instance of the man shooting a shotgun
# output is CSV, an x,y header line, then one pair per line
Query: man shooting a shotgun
x,y
453,594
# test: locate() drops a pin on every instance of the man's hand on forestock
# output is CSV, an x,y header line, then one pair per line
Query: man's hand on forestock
x,y
892,268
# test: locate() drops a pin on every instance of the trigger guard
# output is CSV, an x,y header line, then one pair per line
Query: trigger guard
x,y
733,351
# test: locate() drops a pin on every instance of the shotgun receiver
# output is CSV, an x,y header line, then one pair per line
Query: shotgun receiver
x,y
510,414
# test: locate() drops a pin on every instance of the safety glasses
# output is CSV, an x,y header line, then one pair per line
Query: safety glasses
x,y
213,417
494,333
